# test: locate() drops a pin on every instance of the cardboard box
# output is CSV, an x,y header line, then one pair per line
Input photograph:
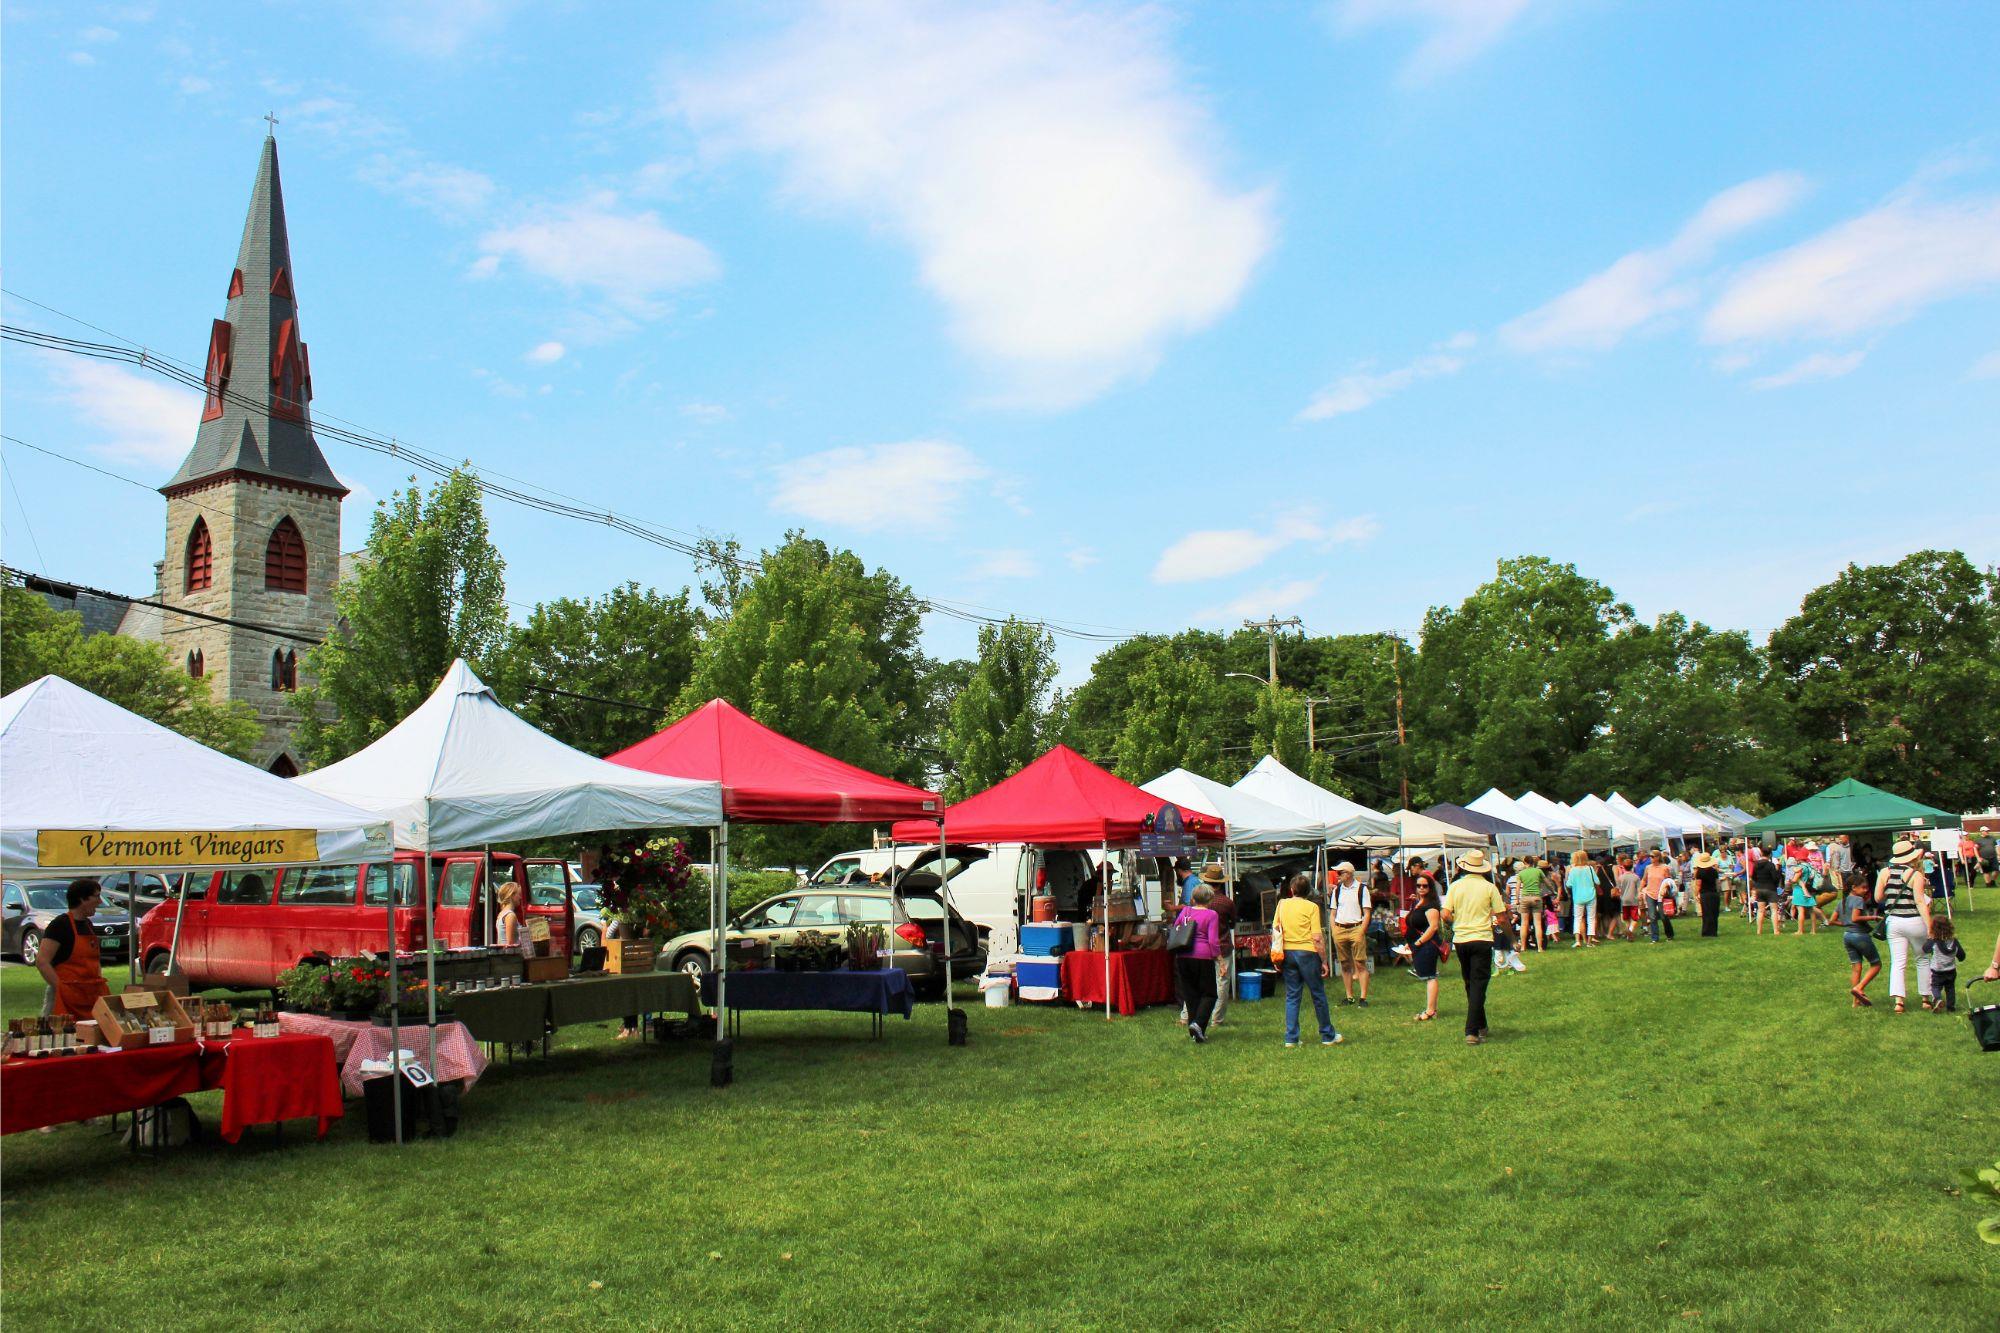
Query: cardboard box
x,y
546,969
1123,908
111,1032
629,956
175,981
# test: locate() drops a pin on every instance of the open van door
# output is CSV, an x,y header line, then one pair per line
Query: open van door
x,y
549,889
457,918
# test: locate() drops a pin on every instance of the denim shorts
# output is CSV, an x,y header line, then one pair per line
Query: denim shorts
x,y
1424,961
1861,947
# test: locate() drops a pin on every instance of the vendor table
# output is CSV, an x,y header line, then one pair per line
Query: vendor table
x,y
354,1041
263,1079
525,1013
880,992
1138,977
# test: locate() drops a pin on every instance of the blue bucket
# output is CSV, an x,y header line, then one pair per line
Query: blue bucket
x,y
1249,985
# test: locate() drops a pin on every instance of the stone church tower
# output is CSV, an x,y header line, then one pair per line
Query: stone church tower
x,y
253,515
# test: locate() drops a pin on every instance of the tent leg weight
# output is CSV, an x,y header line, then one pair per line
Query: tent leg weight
x,y
954,1026
722,1065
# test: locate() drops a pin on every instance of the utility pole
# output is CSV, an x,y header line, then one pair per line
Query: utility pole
x,y
1402,754
1309,721
1271,627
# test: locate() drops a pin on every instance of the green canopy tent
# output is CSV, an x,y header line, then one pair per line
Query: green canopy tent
x,y
1851,807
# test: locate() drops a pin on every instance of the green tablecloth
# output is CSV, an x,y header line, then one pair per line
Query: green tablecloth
x,y
521,1013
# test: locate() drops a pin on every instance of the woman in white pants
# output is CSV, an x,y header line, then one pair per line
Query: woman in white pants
x,y
1905,899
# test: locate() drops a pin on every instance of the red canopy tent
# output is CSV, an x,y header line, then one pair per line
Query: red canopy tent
x,y
769,778
1060,800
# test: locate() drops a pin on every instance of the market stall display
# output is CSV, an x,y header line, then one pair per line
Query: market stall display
x,y
264,1080
355,1042
525,1013
881,992
1850,806
1126,980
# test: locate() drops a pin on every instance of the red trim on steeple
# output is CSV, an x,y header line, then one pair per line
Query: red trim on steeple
x,y
235,283
287,375
281,284
215,378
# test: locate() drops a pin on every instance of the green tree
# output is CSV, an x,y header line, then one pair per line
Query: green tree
x,y
1094,715
1892,675
633,647
1174,714
822,649
997,723
429,588
1688,715
138,676
1511,686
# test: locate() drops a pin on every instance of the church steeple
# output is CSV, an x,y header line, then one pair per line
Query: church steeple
x,y
255,422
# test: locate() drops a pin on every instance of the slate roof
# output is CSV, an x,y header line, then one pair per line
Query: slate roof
x,y
248,437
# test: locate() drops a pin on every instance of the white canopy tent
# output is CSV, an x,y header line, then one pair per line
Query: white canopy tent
x,y
1421,833
1732,821
462,771
92,787
1566,823
1346,822
1693,822
1500,805
1250,821
73,762
1625,831
1670,831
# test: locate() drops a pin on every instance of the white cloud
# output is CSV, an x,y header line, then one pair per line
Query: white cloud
x,y
452,193
137,417
1648,284
1271,599
1364,388
82,58
99,34
339,119
628,259
1007,564
1214,553
1045,162
1818,366
1459,29
438,29
545,354
194,85
915,483
708,414
1986,367
1080,558
1869,272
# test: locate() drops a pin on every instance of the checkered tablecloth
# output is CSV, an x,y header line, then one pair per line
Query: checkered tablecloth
x,y
458,1054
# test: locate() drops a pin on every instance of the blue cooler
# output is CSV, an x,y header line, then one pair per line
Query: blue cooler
x,y
1046,938
1038,978
1249,985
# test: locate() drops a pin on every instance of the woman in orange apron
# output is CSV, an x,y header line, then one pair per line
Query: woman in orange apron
x,y
68,960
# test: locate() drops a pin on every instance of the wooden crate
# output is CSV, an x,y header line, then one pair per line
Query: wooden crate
x,y
629,956
545,969
112,1033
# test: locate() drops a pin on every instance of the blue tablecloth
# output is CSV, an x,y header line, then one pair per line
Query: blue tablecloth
x,y
885,991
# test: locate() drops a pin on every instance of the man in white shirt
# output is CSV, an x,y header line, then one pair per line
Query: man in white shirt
x,y
1348,901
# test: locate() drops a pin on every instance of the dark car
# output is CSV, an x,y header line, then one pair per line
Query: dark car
x,y
31,904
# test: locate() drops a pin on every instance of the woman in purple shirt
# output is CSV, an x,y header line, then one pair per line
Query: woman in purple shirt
x,y
1194,966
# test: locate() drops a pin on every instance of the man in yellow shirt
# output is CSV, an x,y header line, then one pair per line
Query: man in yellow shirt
x,y
1471,908
1296,923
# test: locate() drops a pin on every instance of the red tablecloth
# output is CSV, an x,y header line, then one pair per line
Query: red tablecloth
x,y
1138,977
458,1055
262,1080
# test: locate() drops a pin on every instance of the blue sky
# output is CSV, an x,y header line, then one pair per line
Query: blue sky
x,y
1135,317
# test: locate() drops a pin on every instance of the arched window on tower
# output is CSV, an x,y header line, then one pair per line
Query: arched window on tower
x,y
196,667
200,557
285,558
284,670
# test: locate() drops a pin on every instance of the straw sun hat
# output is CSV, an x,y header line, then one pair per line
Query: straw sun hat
x,y
1212,873
1906,852
1475,863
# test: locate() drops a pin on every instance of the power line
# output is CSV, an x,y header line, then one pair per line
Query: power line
x,y
530,495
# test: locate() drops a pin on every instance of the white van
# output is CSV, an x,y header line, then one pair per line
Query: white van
x,y
987,883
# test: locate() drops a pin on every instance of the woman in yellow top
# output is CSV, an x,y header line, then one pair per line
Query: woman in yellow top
x,y
1296,924
1471,908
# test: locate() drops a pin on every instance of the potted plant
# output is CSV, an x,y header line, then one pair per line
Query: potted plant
x,y
357,985
307,988
864,947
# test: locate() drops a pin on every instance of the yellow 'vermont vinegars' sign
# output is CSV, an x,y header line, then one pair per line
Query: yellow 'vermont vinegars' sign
x,y
174,847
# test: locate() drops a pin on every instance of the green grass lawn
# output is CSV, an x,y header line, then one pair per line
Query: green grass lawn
x,y
1699,1133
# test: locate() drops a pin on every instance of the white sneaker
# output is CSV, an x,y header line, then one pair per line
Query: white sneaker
x,y
1516,964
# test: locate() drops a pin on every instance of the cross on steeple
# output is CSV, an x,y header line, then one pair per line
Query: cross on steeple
x,y
272,117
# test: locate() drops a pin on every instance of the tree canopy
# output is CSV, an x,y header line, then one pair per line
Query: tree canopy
x,y
997,722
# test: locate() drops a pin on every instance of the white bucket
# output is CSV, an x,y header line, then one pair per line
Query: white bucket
x,y
998,990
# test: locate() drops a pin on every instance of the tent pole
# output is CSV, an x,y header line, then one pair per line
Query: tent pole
x,y
430,957
944,890
1104,854
395,1010
486,898
721,963
180,910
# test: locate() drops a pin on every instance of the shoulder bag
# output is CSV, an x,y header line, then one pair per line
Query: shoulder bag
x,y
1180,935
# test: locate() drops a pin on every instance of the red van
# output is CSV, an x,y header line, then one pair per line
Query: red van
x,y
243,927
